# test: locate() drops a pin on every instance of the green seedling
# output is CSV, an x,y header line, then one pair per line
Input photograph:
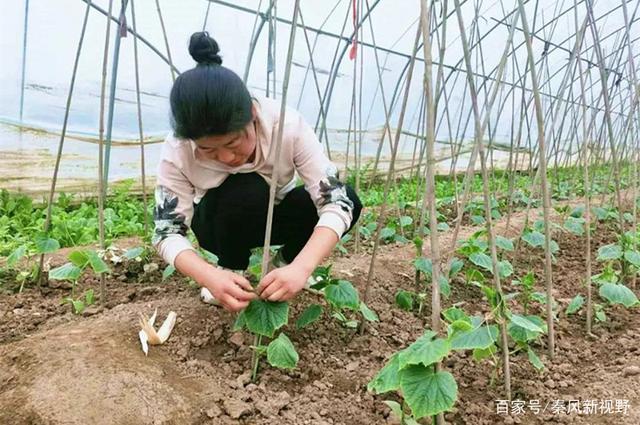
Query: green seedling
x,y
80,261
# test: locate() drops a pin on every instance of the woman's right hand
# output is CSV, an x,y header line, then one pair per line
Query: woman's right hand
x,y
232,290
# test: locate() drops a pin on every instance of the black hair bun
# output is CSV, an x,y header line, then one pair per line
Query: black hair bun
x,y
204,49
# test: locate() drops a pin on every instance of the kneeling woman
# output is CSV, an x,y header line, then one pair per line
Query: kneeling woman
x,y
214,177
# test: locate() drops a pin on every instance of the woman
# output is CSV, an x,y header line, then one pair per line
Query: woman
x,y
214,176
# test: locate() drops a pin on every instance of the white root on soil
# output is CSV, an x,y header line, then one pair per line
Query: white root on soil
x,y
148,334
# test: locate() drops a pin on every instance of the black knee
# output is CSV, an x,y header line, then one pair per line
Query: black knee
x,y
240,192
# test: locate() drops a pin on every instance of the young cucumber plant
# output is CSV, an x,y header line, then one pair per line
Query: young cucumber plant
x,y
265,319
621,261
523,329
408,300
41,245
342,298
80,261
412,374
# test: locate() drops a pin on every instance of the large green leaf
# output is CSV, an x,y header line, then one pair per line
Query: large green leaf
x,y
424,265
16,255
481,337
67,271
405,221
388,378
609,252
281,353
534,359
309,315
368,314
79,258
617,293
521,334
454,313
455,267
445,288
427,393
505,269
132,253
575,225
404,299
46,245
425,350
265,317
504,243
387,233
525,323
96,263
577,212
342,294
482,260
534,238
575,305
633,257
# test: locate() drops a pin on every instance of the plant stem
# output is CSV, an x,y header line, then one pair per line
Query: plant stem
x,y
255,358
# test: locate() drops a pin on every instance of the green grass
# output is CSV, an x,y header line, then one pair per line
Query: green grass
x,y
75,222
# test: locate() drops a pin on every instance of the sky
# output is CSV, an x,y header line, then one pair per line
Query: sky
x,y
54,27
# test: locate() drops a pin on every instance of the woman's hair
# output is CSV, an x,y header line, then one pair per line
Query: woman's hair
x,y
208,100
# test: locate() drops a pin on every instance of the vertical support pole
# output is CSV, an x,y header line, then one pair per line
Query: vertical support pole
x,y
112,92
24,56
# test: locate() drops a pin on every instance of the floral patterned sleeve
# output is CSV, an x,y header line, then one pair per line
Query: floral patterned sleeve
x,y
320,176
172,213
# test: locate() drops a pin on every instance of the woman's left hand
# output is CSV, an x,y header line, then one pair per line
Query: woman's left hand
x,y
283,283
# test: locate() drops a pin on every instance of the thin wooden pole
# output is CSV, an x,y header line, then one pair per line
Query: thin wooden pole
x,y
25,33
101,192
164,36
139,110
276,169
485,186
387,186
429,197
56,168
542,164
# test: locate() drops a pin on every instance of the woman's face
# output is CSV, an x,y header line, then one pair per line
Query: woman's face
x,y
232,149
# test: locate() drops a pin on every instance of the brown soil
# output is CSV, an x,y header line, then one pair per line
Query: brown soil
x,y
57,368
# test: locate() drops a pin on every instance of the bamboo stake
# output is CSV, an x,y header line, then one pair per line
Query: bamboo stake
x,y
542,164
101,192
485,186
25,32
634,76
166,40
478,145
387,186
607,114
139,111
429,197
56,168
276,169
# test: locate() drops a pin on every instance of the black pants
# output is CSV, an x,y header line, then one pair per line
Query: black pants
x,y
231,219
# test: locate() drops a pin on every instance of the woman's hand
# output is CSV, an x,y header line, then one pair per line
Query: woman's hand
x,y
284,283
232,290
